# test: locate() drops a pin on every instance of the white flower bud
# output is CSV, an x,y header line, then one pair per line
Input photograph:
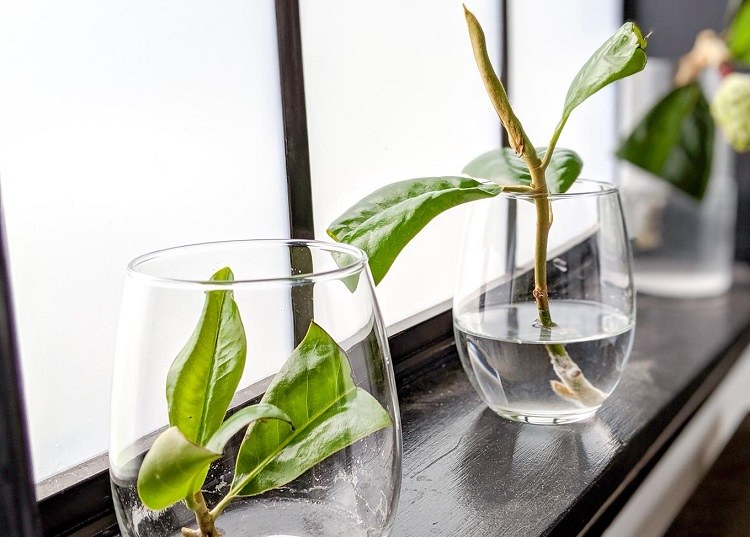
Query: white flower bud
x,y
731,109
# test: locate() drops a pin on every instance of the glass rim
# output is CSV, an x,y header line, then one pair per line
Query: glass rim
x,y
603,188
358,263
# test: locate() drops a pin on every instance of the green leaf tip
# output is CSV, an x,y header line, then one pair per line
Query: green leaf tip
x,y
622,55
642,40
223,275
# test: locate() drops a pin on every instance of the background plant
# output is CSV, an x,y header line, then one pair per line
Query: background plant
x,y
386,220
289,431
675,138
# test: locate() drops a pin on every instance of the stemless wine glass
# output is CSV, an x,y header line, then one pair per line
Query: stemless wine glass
x,y
280,287
522,370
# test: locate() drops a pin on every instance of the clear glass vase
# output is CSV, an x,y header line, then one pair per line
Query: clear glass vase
x,y
682,247
279,287
524,371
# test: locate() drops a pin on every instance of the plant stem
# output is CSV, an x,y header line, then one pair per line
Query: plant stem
x,y
573,385
543,225
204,518
219,508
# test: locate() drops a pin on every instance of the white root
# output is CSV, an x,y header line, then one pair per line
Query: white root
x,y
573,384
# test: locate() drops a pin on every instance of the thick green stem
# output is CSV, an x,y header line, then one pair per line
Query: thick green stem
x,y
541,294
204,518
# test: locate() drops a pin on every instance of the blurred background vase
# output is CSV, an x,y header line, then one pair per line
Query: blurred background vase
x,y
279,287
682,247
512,361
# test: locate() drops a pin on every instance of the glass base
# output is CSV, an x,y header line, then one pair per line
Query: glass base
x,y
290,518
544,418
681,282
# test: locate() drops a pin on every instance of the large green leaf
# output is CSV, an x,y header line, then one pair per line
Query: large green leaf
x,y
329,412
204,376
175,467
738,34
675,140
504,166
385,221
621,55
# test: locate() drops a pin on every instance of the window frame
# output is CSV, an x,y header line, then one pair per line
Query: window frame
x,y
16,486
84,507
79,502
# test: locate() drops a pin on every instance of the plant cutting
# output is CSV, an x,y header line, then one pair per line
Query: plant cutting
x,y
386,220
311,410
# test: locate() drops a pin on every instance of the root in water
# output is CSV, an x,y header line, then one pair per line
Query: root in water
x,y
573,385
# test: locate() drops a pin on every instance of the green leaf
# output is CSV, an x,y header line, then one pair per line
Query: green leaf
x,y
621,55
175,467
675,140
171,468
738,34
329,412
504,166
204,376
384,222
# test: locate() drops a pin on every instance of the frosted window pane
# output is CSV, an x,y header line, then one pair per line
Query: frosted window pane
x,y
124,127
393,93
543,62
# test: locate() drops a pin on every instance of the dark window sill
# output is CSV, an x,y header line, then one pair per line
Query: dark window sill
x,y
469,472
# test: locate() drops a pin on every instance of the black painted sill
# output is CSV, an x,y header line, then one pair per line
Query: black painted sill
x,y
468,472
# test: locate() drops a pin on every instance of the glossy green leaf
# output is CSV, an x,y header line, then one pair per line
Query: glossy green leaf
x,y
315,388
620,56
738,34
504,166
675,140
170,469
175,467
384,222
204,376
